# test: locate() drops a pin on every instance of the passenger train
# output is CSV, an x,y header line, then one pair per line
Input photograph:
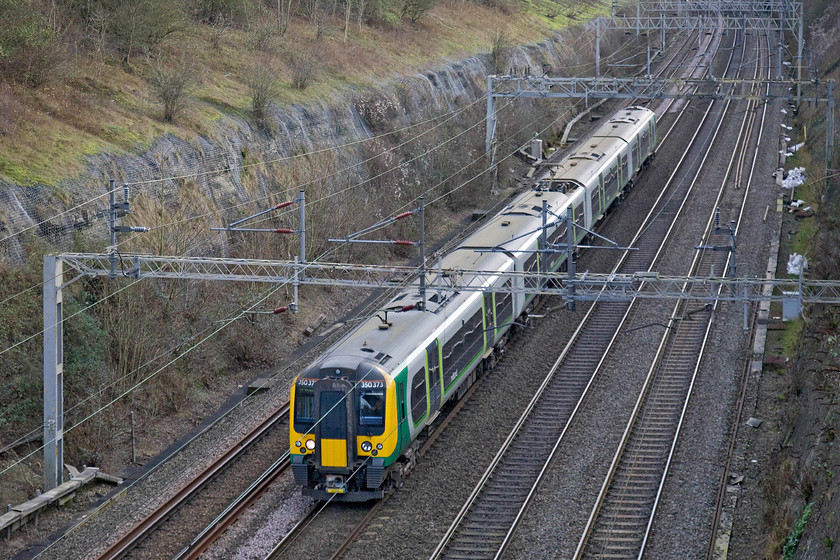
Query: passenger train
x,y
358,410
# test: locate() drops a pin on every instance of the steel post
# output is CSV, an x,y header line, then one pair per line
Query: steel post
x,y
570,258
800,42
490,121
598,49
53,373
662,32
302,233
422,216
829,134
112,228
296,283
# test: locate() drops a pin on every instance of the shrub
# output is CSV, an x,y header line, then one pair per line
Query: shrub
x,y
262,85
265,36
500,52
415,9
173,86
29,50
303,65
141,25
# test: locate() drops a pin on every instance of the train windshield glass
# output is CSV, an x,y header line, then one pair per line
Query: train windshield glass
x,y
372,407
304,409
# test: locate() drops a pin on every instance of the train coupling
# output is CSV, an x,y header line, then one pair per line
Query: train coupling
x,y
335,484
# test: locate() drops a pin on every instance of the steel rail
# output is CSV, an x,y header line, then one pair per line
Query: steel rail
x,y
313,513
234,511
745,375
439,551
161,513
656,257
657,364
729,257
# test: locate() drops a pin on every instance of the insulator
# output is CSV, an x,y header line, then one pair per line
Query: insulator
x,y
403,215
284,230
407,307
402,242
125,192
284,204
281,309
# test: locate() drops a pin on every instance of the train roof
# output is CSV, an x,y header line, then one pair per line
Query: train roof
x,y
626,122
591,158
512,230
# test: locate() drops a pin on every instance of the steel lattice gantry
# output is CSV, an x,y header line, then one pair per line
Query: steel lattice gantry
x,y
581,287
588,286
659,88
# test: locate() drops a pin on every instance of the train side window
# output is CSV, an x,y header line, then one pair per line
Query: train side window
x,y
418,394
504,305
401,398
580,220
531,266
463,347
304,409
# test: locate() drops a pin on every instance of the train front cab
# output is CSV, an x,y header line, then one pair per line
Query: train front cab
x,y
344,431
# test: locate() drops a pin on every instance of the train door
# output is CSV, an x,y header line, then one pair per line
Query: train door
x,y
332,429
487,305
434,373
620,170
503,308
419,395
579,217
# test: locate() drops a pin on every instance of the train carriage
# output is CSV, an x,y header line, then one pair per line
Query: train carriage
x,y
358,410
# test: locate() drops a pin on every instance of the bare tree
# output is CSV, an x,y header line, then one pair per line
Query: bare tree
x,y
500,52
347,6
303,65
173,86
264,37
263,86
415,9
220,25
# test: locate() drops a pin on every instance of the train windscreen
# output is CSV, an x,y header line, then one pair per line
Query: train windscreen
x,y
372,407
304,409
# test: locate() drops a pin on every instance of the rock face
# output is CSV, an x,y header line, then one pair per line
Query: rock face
x,y
241,167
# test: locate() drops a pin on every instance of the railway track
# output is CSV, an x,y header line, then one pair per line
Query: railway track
x,y
365,514
128,541
491,515
622,519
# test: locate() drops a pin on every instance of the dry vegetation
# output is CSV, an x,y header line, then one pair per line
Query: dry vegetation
x,y
82,77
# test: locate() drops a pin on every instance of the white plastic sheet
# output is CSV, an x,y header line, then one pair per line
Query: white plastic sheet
x,y
795,177
796,263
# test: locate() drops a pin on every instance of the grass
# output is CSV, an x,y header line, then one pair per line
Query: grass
x,y
792,541
108,107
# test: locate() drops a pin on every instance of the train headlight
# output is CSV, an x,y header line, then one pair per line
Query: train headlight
x,y
379,446
374,453
299,443
366,446
310,444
